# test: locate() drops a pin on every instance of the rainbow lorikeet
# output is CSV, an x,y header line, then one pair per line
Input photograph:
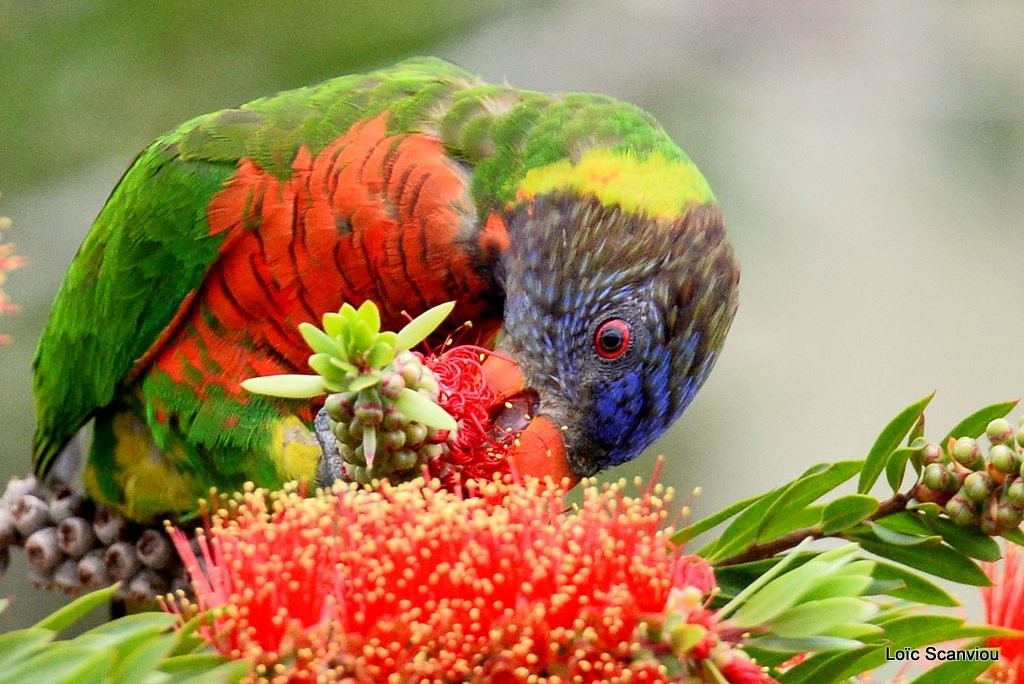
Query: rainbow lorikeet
x,y
569,223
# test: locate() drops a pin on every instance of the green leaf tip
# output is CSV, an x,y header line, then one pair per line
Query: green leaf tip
x,y
423,410
417,330
289,386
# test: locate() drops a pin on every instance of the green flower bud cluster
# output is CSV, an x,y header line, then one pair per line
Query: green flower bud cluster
x,y
975,487
382,414
375,435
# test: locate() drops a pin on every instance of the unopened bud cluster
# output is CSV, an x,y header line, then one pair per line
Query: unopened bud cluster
x,y
375,437
975,487
73,545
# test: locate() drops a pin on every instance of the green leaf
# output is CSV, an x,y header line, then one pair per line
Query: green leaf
x,y
843,585
76,610
778,504
823,667
974,425
417,407
18,645
818,617
225,673
894,538
887,441
794,520
805,644
914,587
319,341
908,631
787,589
191,663
420,327
334,326
1015,535
361,337
126,632
68,663
700,527
346,367
362,382
143,658
935,559
916,432
967,540
380,354
847,511
957,671
815,483
369,315
896,466
289,386
321,363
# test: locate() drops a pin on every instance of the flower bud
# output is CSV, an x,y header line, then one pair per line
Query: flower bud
x,y
92,570
66,503
403,459
8,533
348,454
392,385
1004,459
146,586
999,431
155,549
339,406
40,578
961,510
967,453
393,440
937,477
1015,492
30,513
109,525
368,408
18,487
75,536
1008,516
932,453
42,550
415,434
394,419
978,486
65,577
988,523
122,561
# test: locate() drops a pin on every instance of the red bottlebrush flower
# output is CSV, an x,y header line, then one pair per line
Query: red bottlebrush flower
x,y
478,450
694,571
1004,607
411,582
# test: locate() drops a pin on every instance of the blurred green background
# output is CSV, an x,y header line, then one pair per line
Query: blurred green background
x,y
869,158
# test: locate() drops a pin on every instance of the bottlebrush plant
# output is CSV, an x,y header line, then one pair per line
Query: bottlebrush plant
x,y
445,564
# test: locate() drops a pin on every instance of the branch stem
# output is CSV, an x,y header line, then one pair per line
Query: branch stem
x,y
895,504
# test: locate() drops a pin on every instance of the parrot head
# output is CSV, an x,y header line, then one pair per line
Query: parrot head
x,y
615,312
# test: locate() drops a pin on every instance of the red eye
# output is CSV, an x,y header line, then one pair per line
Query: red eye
x,y
612,338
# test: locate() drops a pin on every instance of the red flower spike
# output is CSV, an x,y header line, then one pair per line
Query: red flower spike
x,y
484,391
411,582
1004,607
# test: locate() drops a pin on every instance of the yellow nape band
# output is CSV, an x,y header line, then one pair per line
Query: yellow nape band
x,y
654,185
